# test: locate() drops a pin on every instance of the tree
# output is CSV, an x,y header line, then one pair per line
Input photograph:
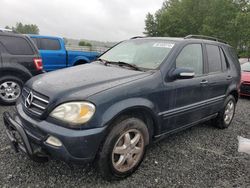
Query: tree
x,y
25,28
225,19
83,43
151,26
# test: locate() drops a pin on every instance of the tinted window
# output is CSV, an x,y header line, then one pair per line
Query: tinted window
x,y
16,45
223,60
214,61
191,57
37,42
49,44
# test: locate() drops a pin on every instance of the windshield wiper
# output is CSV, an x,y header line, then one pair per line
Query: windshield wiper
x,y
120,63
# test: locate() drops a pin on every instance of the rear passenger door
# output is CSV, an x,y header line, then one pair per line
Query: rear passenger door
x,y
219,77
53,54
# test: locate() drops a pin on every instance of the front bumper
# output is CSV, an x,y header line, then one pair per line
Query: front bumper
x,y
29,136
245,89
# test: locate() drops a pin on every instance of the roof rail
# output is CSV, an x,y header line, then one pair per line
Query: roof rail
x,y
3,30
136,37
204,37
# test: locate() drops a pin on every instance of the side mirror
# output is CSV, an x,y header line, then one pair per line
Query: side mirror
x,y
183,73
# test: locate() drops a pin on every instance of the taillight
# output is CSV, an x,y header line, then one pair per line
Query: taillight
x,y
38,63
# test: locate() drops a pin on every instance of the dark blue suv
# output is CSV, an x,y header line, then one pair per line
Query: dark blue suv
x,y
136,93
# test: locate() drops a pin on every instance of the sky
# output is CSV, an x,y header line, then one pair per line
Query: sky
x,y
102,20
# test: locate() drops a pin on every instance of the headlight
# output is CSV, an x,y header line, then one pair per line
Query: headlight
x,y
74,112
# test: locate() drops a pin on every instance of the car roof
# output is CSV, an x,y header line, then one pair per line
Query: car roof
x,y
12,34
44,36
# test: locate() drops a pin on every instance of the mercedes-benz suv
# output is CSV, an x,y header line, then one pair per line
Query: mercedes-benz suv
x,y
138,92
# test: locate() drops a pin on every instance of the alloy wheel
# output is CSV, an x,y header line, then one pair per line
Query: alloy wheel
x,y
128,150
10,91
229,112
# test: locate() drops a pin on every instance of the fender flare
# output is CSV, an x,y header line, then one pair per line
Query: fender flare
x,y
120,107
233,88
17,68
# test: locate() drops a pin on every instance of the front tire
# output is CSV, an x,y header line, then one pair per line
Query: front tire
x,y
10,89
123,149
226,115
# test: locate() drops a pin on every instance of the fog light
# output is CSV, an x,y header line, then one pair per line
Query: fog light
x,y
53,141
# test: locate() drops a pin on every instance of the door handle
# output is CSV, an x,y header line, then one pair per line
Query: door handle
x,y
229,77
204,82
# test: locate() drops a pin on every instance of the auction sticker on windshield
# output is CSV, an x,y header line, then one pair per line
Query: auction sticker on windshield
x,y
163,45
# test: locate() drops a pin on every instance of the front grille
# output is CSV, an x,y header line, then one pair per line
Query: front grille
x,y
245,88
34,102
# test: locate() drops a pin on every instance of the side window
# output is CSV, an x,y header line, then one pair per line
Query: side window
x,y
223,60
49,44
16,45
214,58
191,57
37,42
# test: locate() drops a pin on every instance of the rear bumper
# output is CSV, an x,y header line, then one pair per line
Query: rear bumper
x,y
77,145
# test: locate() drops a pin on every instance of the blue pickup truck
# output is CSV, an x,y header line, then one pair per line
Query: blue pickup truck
x,y
55,56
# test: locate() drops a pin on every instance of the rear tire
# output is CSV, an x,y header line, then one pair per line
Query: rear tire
x,y
10,89
226,115
124,149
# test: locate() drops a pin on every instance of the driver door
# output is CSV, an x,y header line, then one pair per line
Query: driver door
x,y
187,97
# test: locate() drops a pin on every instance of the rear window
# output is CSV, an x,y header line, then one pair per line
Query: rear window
x,y
214,58
47,44
16,45
223,60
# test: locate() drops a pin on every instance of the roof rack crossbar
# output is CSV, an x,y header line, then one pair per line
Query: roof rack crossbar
x,y
204,37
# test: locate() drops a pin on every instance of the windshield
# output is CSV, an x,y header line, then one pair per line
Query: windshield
x,y
144,53
245,67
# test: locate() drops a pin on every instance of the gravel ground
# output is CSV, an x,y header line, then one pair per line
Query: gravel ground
x,y
202,156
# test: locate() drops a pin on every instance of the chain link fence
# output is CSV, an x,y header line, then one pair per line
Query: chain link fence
x,y
99,49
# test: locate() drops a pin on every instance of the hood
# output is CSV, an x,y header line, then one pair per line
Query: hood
x,y
82,81
245,77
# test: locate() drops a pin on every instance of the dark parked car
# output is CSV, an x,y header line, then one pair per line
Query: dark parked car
x,y
19,61
139,91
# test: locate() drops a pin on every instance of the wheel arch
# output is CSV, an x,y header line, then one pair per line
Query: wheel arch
x,y
139,108
80,60
16,72
235,94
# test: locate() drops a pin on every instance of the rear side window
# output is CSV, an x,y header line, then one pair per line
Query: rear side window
x,y
233,54
214,58
191,57
16,45
49,44
223,60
